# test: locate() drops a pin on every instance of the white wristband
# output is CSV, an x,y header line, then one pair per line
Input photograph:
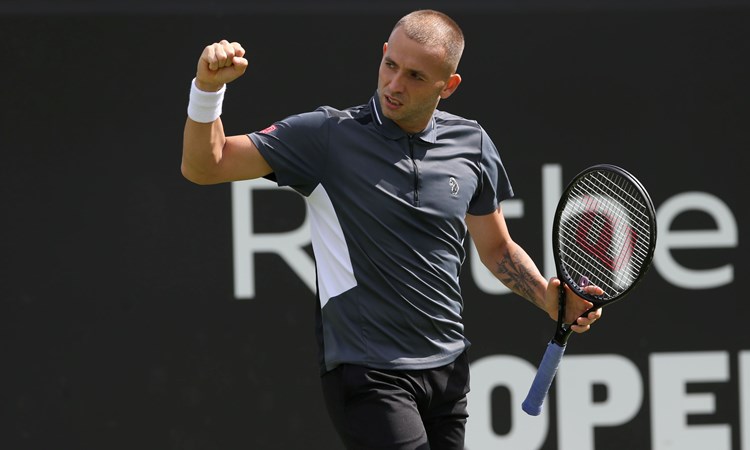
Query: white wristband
x,y
205,107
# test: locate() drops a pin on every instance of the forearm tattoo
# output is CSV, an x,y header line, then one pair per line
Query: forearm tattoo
x,y
513,272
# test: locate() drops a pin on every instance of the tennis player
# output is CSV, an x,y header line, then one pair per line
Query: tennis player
x,y
393,186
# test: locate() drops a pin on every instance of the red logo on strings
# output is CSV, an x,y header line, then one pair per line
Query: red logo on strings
x,y
595,234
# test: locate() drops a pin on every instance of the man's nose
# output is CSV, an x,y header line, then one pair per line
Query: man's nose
x,y
397,82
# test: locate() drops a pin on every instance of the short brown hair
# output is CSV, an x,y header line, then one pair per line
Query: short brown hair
x,y
434,28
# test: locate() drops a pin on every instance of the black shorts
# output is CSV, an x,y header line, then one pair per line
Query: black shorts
x,y
399,409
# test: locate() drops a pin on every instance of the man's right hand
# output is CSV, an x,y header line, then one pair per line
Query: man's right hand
x,y
220,63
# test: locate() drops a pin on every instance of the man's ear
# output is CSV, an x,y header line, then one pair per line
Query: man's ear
x,y
450,86
385,47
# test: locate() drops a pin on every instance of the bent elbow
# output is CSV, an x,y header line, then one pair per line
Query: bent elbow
x,y
195,176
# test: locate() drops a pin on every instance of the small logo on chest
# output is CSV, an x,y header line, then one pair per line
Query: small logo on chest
x,y
454,186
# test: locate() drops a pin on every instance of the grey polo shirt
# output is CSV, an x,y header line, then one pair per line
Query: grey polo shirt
x,y
387,226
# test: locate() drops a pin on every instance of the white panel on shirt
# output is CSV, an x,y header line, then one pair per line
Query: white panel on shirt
x,y
335,273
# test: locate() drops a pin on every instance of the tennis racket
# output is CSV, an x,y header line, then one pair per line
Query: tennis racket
x,y
603,234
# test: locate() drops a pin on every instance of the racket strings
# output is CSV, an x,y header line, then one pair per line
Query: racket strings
x,y
614,197
604,232
627,194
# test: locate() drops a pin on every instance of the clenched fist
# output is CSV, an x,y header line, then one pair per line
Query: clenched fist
x,y
220,63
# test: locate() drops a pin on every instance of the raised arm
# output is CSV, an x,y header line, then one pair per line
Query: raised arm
x,y
208,155
510,264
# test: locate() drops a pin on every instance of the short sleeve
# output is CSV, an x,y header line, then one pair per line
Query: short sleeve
x,y
296,149
494,185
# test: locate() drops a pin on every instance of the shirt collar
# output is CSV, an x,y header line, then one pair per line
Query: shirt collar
x,y
389,129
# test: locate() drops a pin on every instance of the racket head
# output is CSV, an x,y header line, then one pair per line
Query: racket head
x,y
604,233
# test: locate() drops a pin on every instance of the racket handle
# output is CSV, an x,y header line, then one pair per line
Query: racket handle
x,y
543,379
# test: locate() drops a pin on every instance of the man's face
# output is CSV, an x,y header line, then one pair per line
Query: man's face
x,y
411,81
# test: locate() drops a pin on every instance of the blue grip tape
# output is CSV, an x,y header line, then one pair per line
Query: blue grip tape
x,y
543,379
